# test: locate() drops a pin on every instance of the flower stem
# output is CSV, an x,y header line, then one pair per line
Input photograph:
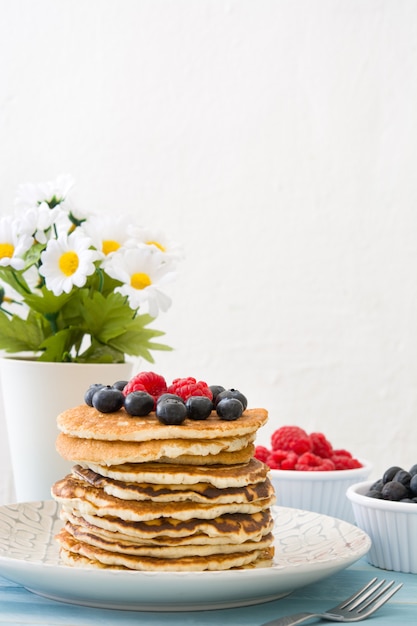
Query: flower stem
x,y
51,318
21,285
100,274
6,311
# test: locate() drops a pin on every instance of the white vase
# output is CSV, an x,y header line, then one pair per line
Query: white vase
x,y
34,393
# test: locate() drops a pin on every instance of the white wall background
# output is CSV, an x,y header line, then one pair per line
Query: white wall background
x,y
277,139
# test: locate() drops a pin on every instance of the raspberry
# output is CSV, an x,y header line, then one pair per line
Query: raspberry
x,y
321,446
291,438
312,463
261,453
187,387
342,453
342,462
290,462
282,459
275,458
294,449
153,383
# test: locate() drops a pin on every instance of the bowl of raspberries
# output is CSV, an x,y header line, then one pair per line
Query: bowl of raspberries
x,y
308,473
386,509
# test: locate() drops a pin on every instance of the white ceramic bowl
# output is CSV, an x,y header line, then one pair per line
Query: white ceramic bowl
x,y
321,492
392,527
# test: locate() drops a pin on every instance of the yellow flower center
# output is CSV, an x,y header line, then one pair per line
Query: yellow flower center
x,y
157,244
6,250
68,263
140,280
109,245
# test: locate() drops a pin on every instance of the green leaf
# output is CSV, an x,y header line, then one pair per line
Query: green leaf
x,y
18,335
58,347
137,340
33,255
46,302
99,353
105,318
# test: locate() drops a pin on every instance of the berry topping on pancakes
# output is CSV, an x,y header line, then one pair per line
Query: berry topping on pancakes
x,y
188,387
149,392
154,384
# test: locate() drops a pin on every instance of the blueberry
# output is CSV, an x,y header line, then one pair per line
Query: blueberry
x,y
199,407
232,393
413,485
166,396
390,473
374,493
88,397
171,411
108,400
139,403
402,477
120,384
377,486
229,409
394,491
215,390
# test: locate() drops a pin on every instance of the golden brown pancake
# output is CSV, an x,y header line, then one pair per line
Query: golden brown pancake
x,y
167,551
76,560
88,423
218,561
96,502
228,451
235,528
203,493
220,476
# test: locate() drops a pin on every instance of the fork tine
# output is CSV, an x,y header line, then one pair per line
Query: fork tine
x,y
372,595
360,598
355,595
383,596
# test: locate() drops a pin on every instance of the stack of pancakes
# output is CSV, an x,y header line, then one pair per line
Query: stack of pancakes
x,y
147,496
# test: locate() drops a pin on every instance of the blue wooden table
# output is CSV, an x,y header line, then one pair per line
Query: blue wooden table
x,y
18,606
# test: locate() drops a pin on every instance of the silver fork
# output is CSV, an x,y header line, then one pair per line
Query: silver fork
x,y
359,606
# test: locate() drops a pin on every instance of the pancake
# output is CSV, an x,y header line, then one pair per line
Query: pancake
x,y
165,451
166,551
149,496
235,528
220,476
220,561
76,560
87,423
203,493
96,502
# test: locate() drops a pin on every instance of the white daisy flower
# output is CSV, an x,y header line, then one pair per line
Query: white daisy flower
x,y
155,239
107,233
53,192
38,221
67,261
143,272
12,244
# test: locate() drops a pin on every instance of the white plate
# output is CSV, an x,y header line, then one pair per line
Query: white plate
x,y
308,546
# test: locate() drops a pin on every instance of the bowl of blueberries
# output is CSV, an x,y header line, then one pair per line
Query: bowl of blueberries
x,y
386,509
